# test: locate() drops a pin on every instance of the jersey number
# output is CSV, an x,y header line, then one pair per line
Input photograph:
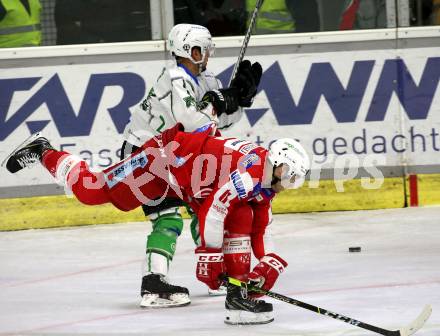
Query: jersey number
x,y
224,197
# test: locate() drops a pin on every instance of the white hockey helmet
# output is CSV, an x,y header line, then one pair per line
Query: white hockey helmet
x,y
291,153
184,37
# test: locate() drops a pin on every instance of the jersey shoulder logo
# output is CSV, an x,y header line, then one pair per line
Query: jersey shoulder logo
x,y
247,148
189,101
249,160
242,146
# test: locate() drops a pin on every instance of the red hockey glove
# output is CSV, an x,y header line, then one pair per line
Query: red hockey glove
x,y
266,272
209,266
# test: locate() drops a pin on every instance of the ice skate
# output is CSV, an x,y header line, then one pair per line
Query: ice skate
x,y
28,154
156,292
221,291
243,310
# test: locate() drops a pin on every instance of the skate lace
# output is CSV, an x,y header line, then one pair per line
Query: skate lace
x,y
245,295
243,292
29,160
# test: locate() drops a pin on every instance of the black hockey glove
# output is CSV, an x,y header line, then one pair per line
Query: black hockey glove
x,y
246,81
223,100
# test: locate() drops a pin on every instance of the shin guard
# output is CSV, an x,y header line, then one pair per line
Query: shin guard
x,y
237,255
161,243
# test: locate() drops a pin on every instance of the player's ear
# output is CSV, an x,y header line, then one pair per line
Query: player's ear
x,y
196,53
278,171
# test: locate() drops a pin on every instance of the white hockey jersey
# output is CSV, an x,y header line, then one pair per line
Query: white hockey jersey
x,y
175,97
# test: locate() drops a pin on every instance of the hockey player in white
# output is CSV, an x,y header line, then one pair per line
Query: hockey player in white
x,y
184,92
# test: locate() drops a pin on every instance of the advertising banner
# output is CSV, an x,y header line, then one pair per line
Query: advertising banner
x,y
348,108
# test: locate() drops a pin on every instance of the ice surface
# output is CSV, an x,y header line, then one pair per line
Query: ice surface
x,y
86,280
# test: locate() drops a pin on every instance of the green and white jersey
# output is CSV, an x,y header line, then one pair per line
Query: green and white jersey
x,y
176,97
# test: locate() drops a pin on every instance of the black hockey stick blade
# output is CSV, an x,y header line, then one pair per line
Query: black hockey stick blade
x,y
406,331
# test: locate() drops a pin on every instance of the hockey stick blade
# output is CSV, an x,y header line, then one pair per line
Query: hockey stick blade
x,y
418,323
406,331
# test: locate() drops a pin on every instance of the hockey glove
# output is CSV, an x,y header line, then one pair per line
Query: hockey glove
x,y
223,100
266,273
209,266
246,81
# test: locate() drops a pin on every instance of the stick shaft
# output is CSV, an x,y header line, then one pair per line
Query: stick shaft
x,y
331,314
315,309
246,39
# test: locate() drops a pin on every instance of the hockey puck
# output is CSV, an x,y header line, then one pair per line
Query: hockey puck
x,y
354,249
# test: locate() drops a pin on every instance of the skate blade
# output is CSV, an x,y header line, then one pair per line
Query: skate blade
x,y
24,143
154,301
242,317
217,292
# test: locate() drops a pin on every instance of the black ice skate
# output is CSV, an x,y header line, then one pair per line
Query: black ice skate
x,y
27,154
242,310
156,292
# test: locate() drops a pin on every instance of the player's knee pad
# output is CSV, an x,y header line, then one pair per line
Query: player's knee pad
x,y
237,255
167,226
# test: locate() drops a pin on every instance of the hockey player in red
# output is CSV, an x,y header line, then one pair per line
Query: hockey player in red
x,y
180,94
228,182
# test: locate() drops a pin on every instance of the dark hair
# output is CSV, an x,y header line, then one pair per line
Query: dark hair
x,y
179,58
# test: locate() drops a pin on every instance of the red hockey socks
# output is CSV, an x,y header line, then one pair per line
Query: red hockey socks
x,y
50,160
72,172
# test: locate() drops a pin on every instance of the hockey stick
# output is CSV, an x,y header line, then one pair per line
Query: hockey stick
x,y
406,331
246,39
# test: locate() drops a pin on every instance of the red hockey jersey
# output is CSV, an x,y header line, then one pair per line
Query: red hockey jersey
x,y
211,173
216,174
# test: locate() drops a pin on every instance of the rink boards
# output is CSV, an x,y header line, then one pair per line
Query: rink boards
x,y
56,211
363,103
